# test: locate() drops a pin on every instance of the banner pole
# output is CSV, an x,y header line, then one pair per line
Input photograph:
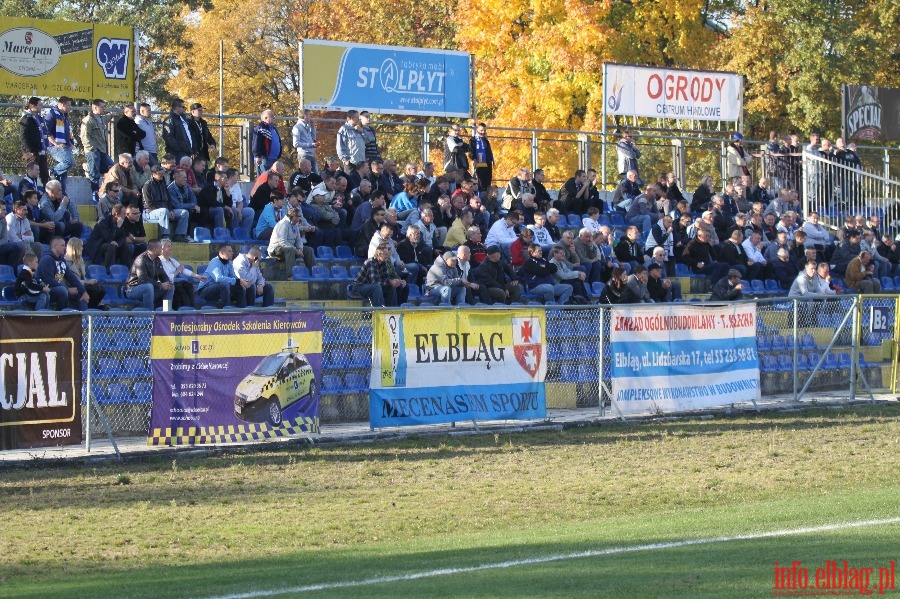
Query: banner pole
x,y
844,90
300,72
603,134
89,388
135,33
221,97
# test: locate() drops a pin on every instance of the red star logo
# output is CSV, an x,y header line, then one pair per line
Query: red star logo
x,y
526,331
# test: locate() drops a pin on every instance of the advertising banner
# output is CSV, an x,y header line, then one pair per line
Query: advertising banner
x,y
385,79
40,372
672,93
675,358
220,378
871,113
453,365
62,58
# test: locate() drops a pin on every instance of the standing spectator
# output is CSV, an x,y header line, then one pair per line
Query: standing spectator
x,y
31,180
177,133
128,135
64,284
628,155
94,129
61,142
30,289
181,277
35,136
305,142
738,158
75,262
350,143
482,156
147,280
246,267
107,244
266,142
201,139
57,208
368,133
144,120
455,150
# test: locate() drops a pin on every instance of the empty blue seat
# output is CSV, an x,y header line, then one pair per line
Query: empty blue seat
x,y
7,274
831,362
803,362
573,220
135,367
8,297
568,373
354,270
773,286
360,358
778,343
597,288
300,273
202,234
117,393
807,342
587,373
844,360
764,343
219,234
344,253
331,384
98,272
887,284
242,234
785,363
142,393
616,220
118,273
320,273
355,383
339,273
336,359
682,270
758,287
324,252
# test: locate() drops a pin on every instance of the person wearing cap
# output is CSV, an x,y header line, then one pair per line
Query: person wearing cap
x,y
497,278
728,288
445,280
201,138
659,288
738,158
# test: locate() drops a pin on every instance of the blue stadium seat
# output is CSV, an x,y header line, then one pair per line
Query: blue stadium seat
x,y
807,342
597,288
135,367
573,220
773,287
300,273
360,358
803,362
764,343
844,360
339,273
759,287
220,234
778,343
785,363
354,270
831,362
320,273
331,384
355,383
344,253
117,393
8,297
324,252
97,271
242,234
142,393
202,234
7,274
337,359
118,273
887,284
568,373
108,368
364,334
682,270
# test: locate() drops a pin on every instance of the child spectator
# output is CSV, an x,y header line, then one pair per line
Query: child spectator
x,y
29,288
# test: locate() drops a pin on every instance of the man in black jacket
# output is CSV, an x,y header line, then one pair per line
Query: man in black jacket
x,y
107,244
128,133
201,138
728,288
497,277
176,132
147,281
33,133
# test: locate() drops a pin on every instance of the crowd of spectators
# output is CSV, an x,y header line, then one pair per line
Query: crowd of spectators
x,y
455,236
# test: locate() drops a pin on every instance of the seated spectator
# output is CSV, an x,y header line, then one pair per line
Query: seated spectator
x,y
412,250
147,281
753,248
701,256
519,191
659,289
65,287
56,208
11,252
456,235
122,175
818,237
31,180
431,234
364,208
288,240
305,178
408,200
503,232
807,282
703,195
262,193
667,270
30,289
328,217
370,228
881,264
780,242
242,213
181,277
890,250
135,235
728,288
629,249
473,242
270,216
222,285
615,288
671,190
784,269
539,277
566,273
21,229
542,236
159,208
661,235
140,170
681,231
246,267
627,191
8,189
474,292
591,256
827,286
107,244
497,278
733,254
518,250
106,201
636,291
642,212
846,251
181,197
574,195
861,274
377,283
75,262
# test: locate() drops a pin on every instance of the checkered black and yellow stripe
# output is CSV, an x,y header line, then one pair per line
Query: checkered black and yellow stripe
x,y
238,433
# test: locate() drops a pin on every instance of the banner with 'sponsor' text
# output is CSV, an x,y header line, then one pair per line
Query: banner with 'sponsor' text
x,y
62,58
40,377
385,79
449,366
676,358
220,378
672,93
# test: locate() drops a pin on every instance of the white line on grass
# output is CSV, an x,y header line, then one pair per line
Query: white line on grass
x,y
555,558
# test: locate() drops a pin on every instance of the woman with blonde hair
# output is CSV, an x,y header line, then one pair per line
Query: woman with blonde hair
x,y
74,252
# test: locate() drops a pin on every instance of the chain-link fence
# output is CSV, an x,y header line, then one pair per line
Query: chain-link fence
x,y
804,348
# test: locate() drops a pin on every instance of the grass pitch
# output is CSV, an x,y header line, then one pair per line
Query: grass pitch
x,y
252,524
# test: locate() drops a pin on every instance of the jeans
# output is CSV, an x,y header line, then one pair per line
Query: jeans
x,y
147,294
59,294
161,216
243,219
220,293
40,301
456,293
64,161
268,295
98,163
548,293
378,295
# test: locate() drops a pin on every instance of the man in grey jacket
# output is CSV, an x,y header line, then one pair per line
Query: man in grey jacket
x,y
304,138
446,281
350,144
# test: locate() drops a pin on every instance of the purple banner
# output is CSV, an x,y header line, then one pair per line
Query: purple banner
x,y
220,378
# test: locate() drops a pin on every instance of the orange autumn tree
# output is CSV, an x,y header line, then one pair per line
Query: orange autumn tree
x,y
539,63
